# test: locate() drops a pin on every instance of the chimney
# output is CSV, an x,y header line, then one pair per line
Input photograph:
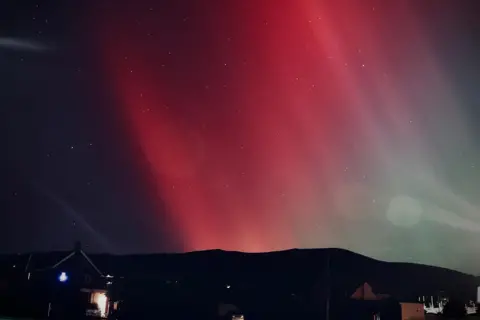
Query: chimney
x,y
78,247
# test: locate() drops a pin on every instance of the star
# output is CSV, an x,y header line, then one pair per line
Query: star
x,y
177,122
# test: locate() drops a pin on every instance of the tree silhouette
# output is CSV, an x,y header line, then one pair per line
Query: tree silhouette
x,y
454,309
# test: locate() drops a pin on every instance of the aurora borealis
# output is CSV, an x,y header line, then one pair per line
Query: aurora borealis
x,y
277,120
267,125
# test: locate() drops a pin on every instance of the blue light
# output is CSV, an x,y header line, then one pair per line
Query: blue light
x,y
63,277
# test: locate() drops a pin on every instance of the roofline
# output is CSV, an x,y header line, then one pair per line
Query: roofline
x,y
68,257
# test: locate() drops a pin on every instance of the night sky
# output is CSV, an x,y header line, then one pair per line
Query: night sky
x,y
171,126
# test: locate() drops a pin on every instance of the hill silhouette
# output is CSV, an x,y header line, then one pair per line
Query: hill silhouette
x,y
299,271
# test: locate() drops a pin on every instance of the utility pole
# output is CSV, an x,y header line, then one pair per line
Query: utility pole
x,y
327,306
